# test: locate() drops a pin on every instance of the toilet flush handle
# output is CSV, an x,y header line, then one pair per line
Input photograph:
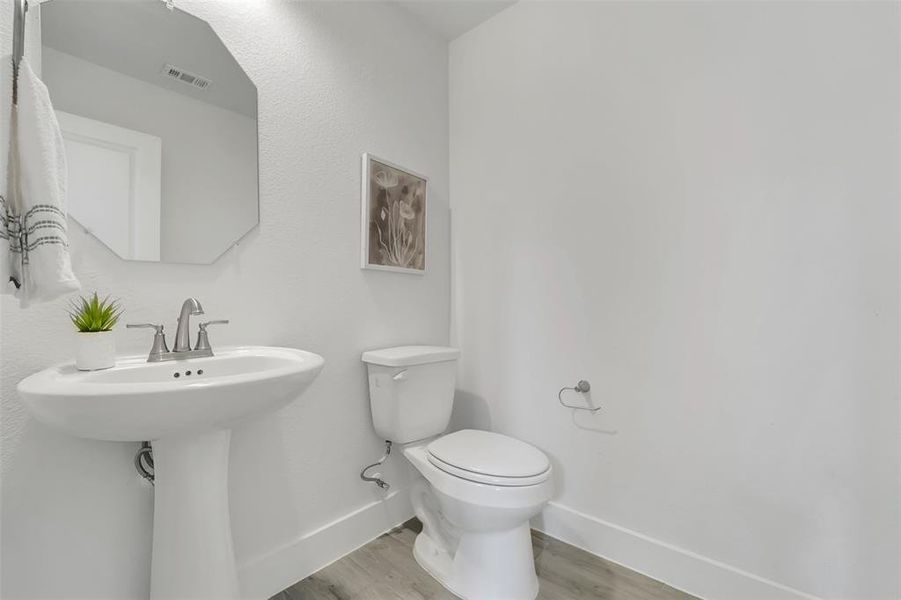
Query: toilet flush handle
x,y
400,376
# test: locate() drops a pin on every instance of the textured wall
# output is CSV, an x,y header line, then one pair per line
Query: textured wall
x,y
334,80
695,206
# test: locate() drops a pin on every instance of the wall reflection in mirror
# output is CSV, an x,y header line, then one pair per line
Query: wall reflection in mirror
x,y
160,126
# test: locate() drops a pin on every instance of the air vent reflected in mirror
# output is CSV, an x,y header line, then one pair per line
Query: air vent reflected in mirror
x,y
186,77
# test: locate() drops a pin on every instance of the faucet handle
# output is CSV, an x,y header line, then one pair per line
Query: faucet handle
x,y
159,339
159,328
203,339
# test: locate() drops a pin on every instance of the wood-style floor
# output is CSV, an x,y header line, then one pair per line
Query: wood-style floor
x,y
385,569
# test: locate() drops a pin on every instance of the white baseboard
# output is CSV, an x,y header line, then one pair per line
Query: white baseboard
x,y
264,576
684,570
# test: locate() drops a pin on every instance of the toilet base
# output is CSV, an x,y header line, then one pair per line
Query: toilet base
x,y
486,566
433,559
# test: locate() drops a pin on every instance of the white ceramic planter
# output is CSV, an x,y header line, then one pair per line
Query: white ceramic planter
x,y
96,350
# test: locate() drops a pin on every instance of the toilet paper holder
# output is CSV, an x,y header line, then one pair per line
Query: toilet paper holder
x,y
583,387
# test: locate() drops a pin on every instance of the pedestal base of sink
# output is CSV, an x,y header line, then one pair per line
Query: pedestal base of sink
x,y
193,554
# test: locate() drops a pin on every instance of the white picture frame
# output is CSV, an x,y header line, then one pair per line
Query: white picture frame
x,y
394,211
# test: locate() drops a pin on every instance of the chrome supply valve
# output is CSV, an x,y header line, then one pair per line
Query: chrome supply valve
x,y
376,478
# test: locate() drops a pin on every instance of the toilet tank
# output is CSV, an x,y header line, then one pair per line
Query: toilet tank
x,y
411,390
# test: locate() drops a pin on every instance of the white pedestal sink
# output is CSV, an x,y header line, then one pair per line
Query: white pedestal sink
x,y
186,408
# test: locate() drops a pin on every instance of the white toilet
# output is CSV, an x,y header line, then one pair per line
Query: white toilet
x,y
480,488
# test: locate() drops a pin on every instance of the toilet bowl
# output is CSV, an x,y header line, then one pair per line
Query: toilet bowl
x,y
476,538
478,489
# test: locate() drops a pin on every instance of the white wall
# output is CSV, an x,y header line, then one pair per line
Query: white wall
x,y
209,161
335,80
696,207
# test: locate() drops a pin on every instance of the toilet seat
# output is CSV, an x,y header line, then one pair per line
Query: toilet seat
x,y
489,458
479,494
489,479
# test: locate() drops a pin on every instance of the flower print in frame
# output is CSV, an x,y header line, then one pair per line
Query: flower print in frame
x,y
394,217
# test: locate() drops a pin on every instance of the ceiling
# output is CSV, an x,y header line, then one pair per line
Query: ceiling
x,y
137,38
453,18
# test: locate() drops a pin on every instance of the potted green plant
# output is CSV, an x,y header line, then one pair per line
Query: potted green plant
x,y
94,320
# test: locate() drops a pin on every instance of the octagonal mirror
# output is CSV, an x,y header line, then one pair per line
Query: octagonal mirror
x,y
160,126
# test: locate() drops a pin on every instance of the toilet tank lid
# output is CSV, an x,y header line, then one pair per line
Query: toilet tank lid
x,y
407,356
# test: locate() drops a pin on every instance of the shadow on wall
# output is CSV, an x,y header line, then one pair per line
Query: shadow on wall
x,y
585,422
107,520
260,490
470,412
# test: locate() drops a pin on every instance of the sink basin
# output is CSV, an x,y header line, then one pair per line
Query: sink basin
x,y
137,400
186,409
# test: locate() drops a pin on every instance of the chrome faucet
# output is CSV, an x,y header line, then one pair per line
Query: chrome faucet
x,y
160,350
189,307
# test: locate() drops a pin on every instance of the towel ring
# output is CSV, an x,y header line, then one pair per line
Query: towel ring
x,y
582,387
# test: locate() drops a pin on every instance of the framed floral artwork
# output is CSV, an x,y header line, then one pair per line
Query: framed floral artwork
x,y
394,217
